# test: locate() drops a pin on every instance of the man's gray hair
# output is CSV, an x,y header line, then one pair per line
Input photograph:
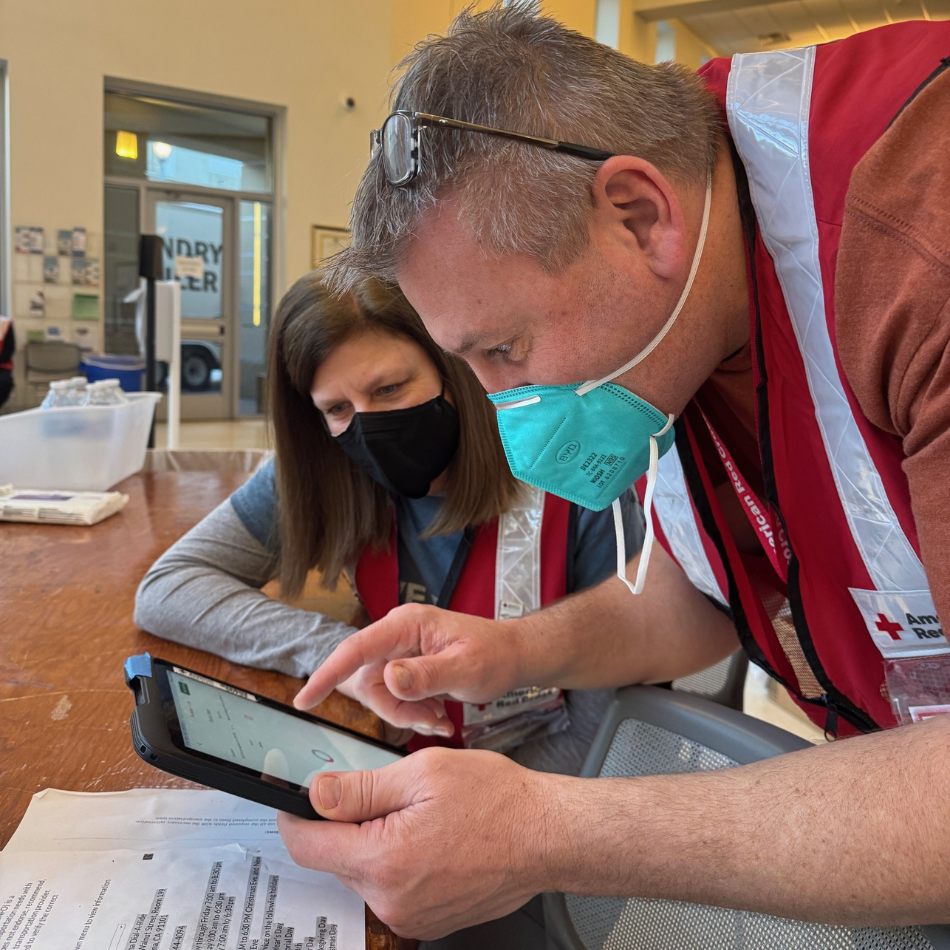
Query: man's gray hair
x,y
511,69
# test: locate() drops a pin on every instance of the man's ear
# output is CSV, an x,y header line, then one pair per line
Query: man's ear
x,y
632,198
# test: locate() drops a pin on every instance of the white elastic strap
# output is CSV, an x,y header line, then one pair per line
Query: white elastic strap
x,y
645,551
655,342
518,403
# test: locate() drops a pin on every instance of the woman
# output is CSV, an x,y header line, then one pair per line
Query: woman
x,y
7,349
389,468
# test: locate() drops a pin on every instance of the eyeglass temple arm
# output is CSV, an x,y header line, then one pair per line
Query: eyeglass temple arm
x,y
582,151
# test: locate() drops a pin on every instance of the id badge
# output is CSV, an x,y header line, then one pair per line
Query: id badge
x,y
919,687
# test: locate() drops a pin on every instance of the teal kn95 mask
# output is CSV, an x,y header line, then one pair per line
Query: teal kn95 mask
x,y
587,449
589,442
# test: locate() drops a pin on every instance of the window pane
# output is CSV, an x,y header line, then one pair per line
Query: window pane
x,y
255,302
192,229
171,142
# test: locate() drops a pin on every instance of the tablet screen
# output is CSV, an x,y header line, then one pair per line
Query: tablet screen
x,y
222,721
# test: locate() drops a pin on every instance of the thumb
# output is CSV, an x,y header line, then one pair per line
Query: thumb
x,y
365,794
446,673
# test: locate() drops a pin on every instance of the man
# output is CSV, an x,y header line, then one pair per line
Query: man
x,y
712,272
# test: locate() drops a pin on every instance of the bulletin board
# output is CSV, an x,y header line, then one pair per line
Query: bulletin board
x,y
56,280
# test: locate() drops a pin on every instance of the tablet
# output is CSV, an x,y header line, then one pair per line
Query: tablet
x,y
213,733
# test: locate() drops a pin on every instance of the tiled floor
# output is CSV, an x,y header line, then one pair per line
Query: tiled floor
x,y
762,698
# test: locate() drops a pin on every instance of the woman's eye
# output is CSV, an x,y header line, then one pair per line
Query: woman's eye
x,y
388,390
338,409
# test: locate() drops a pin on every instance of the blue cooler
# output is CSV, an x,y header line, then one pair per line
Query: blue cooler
x,y
128,370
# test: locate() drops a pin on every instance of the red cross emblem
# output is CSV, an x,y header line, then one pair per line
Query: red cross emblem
x,y
890,627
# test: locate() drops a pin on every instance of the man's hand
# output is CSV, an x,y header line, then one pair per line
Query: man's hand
x,y
398,665
438,841
449,838
354,689
602,637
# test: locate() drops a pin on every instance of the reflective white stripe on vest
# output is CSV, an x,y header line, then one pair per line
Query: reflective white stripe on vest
x,y
767,103
518,557
517,592
672,507
768,99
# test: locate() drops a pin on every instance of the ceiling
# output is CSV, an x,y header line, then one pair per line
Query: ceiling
x,y
745,29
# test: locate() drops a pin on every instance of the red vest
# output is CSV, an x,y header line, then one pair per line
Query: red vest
x,y
6,364
478,591
836,520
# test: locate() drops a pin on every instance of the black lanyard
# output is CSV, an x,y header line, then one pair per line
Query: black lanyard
x,y
409,572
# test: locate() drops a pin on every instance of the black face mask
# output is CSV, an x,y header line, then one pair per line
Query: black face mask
x,y
404,449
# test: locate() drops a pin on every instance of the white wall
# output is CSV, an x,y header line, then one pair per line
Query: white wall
x,y
306,55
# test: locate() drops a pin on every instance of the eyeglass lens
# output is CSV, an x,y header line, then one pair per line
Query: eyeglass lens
x,y
397,148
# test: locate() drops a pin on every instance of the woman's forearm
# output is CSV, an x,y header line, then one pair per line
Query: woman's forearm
x,y
205,592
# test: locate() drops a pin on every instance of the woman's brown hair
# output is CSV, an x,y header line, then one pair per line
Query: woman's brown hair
x,y
330,510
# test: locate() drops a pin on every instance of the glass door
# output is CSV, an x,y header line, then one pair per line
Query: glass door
x,y
198,251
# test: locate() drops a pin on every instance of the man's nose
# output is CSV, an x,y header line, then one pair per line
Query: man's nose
x,y
494,378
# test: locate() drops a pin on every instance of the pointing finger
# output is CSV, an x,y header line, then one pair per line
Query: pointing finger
x,y
376,642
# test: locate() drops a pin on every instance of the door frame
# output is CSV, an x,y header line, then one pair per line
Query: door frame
x,y
210,405
276,198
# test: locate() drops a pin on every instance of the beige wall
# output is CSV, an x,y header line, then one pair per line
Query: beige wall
x,y
690,49
415,19
637,38
306,55
579,15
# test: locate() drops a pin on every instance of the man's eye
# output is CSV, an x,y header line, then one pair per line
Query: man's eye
x,y
503,350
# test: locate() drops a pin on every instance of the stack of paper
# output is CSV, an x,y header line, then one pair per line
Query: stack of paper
x,y
59,507
165,869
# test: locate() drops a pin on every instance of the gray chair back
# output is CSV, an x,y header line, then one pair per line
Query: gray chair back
x,y
723,683
651,731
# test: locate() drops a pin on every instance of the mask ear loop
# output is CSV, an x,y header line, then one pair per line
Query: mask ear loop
x,y
648,538
658,339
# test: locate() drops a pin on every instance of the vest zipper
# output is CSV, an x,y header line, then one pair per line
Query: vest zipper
x,y
831,719
840,705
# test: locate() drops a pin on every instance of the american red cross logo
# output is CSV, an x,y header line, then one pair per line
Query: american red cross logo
x,y
890,627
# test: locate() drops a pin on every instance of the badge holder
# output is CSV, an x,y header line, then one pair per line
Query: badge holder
x,y
919,687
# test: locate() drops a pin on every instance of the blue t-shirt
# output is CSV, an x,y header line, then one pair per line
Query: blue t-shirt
x,y
593,558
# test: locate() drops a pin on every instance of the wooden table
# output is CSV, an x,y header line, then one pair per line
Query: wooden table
x,y
66,600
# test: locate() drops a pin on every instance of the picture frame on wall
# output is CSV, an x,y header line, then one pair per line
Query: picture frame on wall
x,y
326,241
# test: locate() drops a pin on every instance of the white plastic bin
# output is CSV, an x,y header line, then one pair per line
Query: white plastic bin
x,y
81,448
